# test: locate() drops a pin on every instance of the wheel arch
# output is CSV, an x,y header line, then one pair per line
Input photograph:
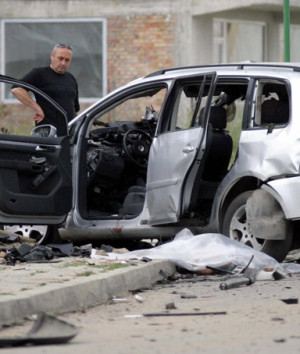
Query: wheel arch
x,y
286,191
242,185
257,220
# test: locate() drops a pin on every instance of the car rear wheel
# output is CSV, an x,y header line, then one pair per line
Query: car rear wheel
x,y
236,226
42,234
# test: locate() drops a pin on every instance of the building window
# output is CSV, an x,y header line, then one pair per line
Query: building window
x,y
238,41
27,44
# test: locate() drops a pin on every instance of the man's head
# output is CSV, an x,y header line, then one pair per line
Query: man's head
x,y
61,57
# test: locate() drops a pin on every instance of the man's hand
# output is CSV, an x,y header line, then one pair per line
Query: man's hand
x,y
39,115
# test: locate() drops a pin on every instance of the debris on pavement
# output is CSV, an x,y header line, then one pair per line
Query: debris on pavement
x,y
32,253
211,254
28,253
174,314
171,306
118,299
63,249
293,256
105,249
248,275
235,282
46,330
291,301
202,255
10,237
138,298
186,296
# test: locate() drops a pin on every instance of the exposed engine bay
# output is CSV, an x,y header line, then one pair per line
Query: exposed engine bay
x,y
117,158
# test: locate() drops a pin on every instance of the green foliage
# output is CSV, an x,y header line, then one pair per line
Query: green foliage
x,y
75,264
112,266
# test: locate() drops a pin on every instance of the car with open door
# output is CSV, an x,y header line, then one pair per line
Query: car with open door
x,y
212,148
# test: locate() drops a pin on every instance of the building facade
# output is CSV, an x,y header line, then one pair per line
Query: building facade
x,y
116,41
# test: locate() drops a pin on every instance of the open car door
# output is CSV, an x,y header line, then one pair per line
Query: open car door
x,y
177,150
35,174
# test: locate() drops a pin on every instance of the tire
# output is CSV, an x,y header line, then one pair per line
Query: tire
x,y
42,234
236,226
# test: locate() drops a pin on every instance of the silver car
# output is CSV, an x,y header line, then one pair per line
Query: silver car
x,y
212,149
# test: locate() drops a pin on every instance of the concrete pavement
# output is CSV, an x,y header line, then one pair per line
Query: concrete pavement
x,y
68,284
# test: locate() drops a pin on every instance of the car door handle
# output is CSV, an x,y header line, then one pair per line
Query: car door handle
x,y
188,149
45,148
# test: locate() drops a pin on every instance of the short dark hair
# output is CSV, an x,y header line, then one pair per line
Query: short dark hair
x,y
60,45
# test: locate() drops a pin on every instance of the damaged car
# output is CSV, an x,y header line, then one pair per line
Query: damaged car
x,y
210,148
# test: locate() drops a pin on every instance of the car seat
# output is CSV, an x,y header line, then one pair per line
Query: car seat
x,y
220,149
216,158
274,111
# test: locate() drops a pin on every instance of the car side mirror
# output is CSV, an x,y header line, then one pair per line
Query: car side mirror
x,y
44,131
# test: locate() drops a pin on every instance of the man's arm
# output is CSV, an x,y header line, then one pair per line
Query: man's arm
x,y
24,97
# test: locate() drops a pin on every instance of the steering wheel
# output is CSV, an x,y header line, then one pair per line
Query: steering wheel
x,y
136,144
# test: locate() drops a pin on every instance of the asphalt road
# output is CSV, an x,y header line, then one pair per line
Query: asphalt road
x,y
187,316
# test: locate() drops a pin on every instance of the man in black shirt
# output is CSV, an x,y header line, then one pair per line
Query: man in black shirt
x,y
57,83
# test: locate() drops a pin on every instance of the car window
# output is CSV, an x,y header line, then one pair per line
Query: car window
x,y
15,119
270,105
185,106
141,106
231,95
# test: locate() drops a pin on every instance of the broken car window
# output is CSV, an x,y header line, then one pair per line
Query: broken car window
x,y
271,104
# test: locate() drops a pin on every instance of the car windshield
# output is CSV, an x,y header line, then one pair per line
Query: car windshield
x,y
141,106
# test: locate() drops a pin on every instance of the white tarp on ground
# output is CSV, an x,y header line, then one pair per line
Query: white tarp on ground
x,y
197,252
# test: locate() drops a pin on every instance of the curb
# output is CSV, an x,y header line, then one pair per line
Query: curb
x,y
81,293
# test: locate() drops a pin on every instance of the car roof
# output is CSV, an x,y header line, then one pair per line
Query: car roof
x,y
251,68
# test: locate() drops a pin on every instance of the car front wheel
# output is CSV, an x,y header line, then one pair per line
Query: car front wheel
x,y
236,225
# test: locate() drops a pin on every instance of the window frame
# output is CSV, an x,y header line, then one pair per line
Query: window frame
x,y
252,123
221,41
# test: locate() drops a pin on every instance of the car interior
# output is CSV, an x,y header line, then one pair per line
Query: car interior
x,y
118,144
116,152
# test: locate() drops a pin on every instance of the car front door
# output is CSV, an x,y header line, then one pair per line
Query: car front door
x,y
35,174
179,145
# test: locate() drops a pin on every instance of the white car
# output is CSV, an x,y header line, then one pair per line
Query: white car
x,y
212,149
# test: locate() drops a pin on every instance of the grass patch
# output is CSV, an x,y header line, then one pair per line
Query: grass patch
x,y
75,264
103,267
3,293
112,266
